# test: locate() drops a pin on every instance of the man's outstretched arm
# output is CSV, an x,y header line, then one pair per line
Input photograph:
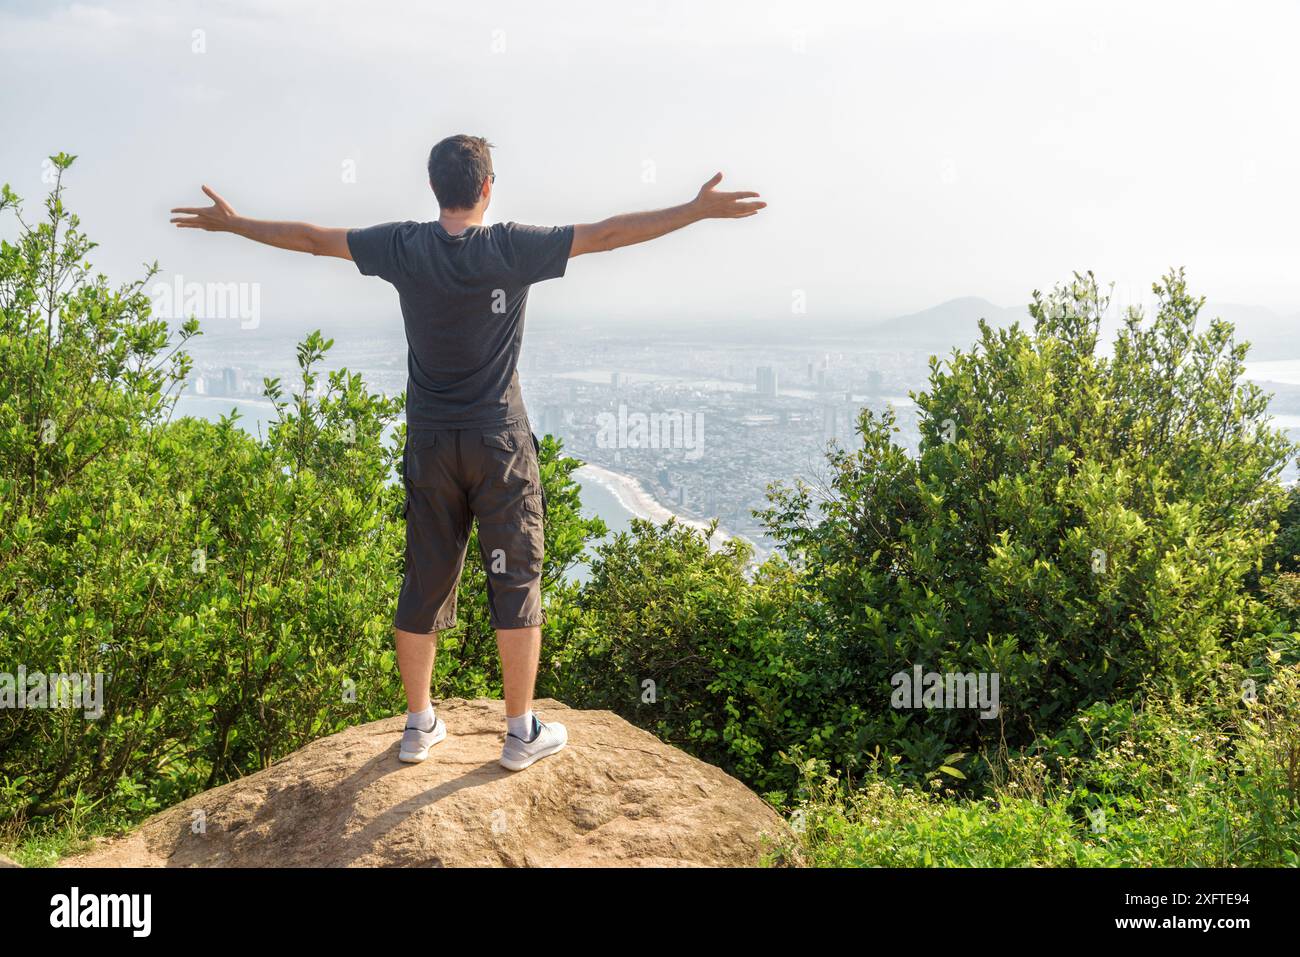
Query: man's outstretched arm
x,y
633,228
299,237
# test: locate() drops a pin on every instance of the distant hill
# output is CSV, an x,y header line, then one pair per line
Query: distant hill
x,y
955,324
950,324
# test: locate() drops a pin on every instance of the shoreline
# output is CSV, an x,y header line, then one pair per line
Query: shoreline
x,y
634,497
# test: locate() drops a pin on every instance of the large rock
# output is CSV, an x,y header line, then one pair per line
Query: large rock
x,y
616,796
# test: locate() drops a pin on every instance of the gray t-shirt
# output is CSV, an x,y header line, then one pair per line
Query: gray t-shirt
x,y
463,300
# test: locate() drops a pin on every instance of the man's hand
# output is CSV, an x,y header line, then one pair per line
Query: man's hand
x,y
640,227
712,204
221,217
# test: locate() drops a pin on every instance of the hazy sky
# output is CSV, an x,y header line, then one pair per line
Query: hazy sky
x,y
910,152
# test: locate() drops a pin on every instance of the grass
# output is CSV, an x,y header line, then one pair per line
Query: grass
x,y
44,842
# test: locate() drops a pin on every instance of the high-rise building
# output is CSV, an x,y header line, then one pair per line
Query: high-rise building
x,y
830,422
766,380
552,420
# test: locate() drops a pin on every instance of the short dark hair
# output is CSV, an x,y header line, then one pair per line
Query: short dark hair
x,y
458,167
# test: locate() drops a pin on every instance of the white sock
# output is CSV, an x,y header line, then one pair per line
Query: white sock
x,y
423,720
521,727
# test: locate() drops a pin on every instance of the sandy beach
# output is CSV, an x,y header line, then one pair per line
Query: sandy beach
x,y
633,496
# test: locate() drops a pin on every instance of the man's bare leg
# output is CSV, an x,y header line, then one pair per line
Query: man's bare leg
x,y
424,729
520,648
415,657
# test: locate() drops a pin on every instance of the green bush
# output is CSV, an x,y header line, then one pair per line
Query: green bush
x,y
1077,523
648,635
233,594
1283,554
681,640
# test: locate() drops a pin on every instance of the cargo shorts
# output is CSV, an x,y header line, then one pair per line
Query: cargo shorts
x,y
456,476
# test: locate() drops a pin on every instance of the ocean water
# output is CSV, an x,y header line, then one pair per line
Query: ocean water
x,y
255,415
600,502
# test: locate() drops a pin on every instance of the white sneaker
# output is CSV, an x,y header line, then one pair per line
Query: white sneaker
x,y
416,743
547,739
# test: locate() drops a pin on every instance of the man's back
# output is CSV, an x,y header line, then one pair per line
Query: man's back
x,y
463,298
